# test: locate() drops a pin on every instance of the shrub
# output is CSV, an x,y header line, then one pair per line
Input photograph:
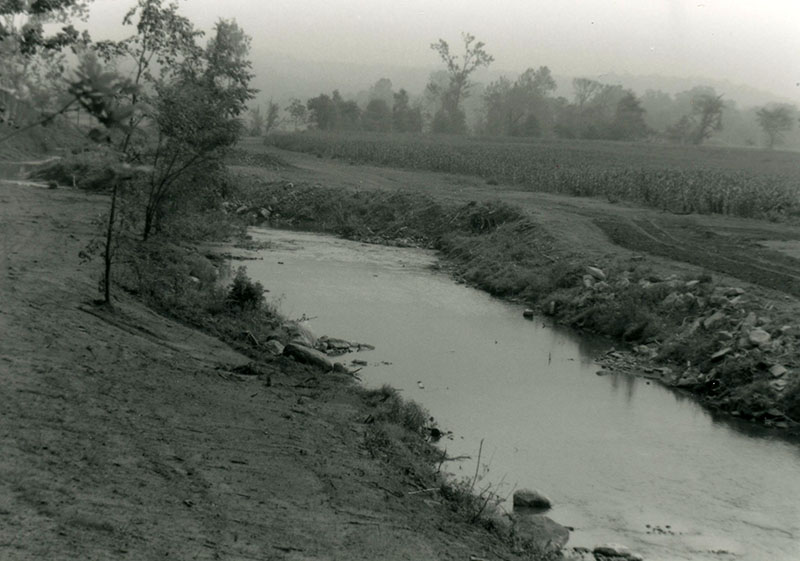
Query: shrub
x,y
244,293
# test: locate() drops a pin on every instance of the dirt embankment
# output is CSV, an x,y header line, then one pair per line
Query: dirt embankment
x,y
704,304
128,436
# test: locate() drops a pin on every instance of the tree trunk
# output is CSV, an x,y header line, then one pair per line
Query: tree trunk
x,y
109,239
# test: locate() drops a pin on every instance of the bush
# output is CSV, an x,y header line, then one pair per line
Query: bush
x,y
245,294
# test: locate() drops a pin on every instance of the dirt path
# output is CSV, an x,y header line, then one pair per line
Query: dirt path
x,y
127,436
753,251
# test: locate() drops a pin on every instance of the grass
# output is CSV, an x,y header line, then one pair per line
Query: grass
x,y
739,182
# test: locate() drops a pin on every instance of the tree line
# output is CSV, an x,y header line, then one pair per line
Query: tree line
x,y
528,106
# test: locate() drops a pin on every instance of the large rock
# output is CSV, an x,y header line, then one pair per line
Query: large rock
x,y
713,319
527,498
541,532
615,552
301,335
596,273
758,337
274,347
307,355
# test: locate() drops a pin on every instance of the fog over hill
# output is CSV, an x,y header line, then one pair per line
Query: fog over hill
x,y
282,77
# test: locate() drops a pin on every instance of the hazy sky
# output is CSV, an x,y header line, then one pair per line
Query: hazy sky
x,y
756,42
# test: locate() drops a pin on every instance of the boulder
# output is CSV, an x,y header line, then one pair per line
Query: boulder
x,y
541,531
777,370
596,273
302,335
527,498
692,283
616,552
527,313
588,281
758,337
274,346
307,355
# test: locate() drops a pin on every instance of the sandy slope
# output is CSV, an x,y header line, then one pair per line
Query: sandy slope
x,y
127,436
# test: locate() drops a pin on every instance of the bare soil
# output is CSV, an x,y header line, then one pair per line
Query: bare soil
x,y
124,435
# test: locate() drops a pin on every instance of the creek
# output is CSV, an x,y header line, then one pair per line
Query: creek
x,y
622,458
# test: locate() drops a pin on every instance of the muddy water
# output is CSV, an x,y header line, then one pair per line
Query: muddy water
x,y
617,455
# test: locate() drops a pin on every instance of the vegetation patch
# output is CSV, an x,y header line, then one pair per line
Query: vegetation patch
x,y
674,178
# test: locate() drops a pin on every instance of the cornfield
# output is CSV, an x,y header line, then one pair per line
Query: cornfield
x,y
738,182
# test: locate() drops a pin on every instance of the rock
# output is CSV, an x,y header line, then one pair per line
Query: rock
x,y
721,353
331,345
777,370
596,273
750,321
671,299
692,283
588,281
734,291
264,213
527,313
340,368
357,362
302,335
778,385
601,286
527,498
541,531
274,346
242,209
713,319
758,337
307,355
616,552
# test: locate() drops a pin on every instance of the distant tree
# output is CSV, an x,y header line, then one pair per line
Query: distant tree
x,y
404,117
273,119
680,132
377,116
450,117
585,90
348,112
629,121
775,121
519,109
707,111
256,122
298,112
333,113
322,112
382,89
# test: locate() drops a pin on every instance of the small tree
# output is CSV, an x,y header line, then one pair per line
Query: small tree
x,y
298,112
775,121
404,117
256,122
450,117
273,119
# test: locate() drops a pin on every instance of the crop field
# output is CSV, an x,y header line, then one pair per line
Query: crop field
x,y
707,180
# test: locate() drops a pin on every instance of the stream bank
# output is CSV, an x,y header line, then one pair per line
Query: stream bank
x,y
733,347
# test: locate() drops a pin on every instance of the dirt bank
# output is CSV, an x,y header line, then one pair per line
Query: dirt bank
x,y
128,436
672,302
